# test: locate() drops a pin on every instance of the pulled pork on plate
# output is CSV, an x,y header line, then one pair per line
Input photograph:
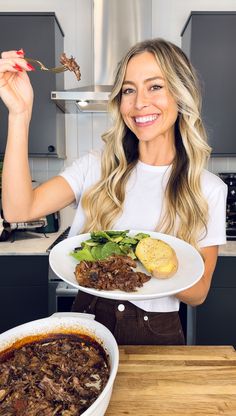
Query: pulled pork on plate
x,y
115,272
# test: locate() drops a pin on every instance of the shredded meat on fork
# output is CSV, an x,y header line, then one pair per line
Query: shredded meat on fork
x,y
115,272
71,64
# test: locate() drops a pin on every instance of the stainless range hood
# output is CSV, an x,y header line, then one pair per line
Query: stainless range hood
x,y
92,98
117,25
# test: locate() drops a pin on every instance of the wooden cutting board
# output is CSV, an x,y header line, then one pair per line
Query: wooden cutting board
x,y
166,381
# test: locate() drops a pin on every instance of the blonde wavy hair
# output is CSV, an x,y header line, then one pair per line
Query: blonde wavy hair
x,y
185,211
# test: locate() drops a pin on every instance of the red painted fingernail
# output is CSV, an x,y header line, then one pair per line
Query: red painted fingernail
x,y
31,67
20,52
18,67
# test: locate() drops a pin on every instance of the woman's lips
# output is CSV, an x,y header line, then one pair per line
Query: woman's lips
x,y
145,120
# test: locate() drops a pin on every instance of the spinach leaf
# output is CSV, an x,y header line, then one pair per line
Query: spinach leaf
x,y
84,254
110,248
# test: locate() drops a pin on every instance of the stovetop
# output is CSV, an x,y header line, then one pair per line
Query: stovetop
x,y
60,238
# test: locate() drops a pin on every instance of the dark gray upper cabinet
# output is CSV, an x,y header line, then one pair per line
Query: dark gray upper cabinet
x,y
41,37
208,39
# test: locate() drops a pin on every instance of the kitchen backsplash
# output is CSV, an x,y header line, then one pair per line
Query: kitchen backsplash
x,y
222,164
44,168
83,133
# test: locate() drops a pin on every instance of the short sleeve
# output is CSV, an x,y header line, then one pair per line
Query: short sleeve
x,y
83,173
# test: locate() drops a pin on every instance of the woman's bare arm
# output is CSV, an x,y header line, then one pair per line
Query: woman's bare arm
x,y
20,201
196,294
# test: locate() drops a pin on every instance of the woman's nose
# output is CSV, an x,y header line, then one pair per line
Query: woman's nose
x,y
141,100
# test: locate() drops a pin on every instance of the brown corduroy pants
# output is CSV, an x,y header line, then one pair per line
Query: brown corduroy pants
x,y
131,325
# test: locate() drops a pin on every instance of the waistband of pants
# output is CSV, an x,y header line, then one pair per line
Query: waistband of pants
x,y
90,302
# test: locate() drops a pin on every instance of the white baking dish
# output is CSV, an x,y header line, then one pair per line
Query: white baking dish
x,y
76,322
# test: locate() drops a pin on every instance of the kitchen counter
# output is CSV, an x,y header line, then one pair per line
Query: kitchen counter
x,y
184,380
28,243
228,249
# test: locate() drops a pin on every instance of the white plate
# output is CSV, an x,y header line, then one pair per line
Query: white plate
x,y
190,270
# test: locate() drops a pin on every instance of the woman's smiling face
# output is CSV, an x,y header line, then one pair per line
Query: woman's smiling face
x,y
147,107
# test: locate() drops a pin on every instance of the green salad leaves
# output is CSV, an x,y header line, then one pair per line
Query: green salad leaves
x,y
103,244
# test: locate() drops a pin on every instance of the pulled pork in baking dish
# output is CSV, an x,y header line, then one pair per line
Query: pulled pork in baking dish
x,y
115,272
52,377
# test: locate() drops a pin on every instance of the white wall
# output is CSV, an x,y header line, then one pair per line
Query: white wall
x,y
83,130
169,16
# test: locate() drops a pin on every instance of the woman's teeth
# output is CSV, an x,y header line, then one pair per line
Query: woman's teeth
x,y
145,119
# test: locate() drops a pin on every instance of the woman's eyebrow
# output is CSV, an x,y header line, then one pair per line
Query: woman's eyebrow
x,y
146,80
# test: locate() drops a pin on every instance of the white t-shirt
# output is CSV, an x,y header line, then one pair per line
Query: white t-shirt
x,y
143,204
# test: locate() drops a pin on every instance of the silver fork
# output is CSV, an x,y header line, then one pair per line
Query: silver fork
x,y
42,67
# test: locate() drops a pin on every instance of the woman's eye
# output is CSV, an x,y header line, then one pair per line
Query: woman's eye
x,y
156,87
127,91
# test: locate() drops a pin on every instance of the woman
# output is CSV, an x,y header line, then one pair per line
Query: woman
x,y
150,176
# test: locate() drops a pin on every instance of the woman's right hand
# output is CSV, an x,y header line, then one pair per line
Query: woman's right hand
x,y
15,88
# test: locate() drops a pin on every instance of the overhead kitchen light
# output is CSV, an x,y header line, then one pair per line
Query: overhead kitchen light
x,y
92,106
82,103
117,25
